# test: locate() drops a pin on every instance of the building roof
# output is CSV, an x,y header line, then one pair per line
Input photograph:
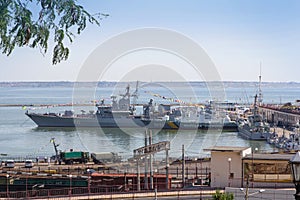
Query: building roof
x,y
268,156
226,148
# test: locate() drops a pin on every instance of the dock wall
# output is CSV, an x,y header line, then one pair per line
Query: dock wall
x,y
278,117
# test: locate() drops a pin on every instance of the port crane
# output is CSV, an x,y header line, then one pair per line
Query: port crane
x,y
55,148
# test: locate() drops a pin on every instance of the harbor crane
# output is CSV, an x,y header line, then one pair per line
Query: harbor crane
x,y
55,148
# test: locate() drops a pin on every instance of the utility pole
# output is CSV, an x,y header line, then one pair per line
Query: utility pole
x,y
144,152
247,188
151,161
167,168
229,171
183,167
146,162
138,175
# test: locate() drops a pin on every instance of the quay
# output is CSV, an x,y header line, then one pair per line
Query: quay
x,y
280,117
281,132
284,131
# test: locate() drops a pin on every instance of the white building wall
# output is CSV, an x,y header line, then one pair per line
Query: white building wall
x,y
221,168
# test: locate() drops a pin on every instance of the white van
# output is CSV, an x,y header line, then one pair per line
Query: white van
x,y
10,163
28,163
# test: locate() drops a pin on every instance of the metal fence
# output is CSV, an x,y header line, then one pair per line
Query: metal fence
x,y
86,191
202,192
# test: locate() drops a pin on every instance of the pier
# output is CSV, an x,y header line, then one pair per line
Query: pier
x,y
274,115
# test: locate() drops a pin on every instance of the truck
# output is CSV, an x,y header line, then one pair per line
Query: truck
x,y
105,157
74,156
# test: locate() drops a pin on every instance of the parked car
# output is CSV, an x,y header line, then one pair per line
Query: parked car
x,y
10,163
28,163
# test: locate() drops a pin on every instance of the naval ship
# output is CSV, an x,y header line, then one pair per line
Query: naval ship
x,y
120,114
254,127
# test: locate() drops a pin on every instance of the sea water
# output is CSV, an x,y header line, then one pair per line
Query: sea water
x,y
19,136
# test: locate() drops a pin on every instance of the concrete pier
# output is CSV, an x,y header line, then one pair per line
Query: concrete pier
x,y
280,132
278,117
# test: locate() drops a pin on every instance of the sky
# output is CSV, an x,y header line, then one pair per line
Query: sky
x,y
237,36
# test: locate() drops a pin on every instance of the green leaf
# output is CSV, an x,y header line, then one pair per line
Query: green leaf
x,y
55,20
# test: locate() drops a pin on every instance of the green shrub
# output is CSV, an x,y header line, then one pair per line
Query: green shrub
x,y
222,196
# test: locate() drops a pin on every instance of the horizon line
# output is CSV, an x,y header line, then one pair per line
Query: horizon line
x,y
113,81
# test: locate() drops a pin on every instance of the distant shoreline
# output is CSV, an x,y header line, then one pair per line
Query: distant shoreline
x,y
111,84
25,106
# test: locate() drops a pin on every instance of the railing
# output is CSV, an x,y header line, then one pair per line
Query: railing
x,y
83,191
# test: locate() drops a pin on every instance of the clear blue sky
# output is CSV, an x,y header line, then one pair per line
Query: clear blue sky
x,y
237,36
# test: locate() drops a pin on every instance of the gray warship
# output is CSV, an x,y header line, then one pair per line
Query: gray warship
x,y
120,114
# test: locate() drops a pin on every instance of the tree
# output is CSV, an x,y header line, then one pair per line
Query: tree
x,y
63,19
222,196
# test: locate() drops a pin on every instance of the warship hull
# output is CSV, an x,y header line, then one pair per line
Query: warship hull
x,y
47,120
42,120
247,134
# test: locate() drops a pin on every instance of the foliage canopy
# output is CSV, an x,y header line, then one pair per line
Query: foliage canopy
x,y
61,18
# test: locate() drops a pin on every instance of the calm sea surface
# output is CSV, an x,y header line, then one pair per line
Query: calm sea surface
x,y
19,136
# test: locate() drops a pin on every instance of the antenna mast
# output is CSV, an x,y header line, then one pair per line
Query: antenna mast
x,y
135,95
260,97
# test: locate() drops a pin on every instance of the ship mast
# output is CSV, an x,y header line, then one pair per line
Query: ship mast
x,y
135,95
260,97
